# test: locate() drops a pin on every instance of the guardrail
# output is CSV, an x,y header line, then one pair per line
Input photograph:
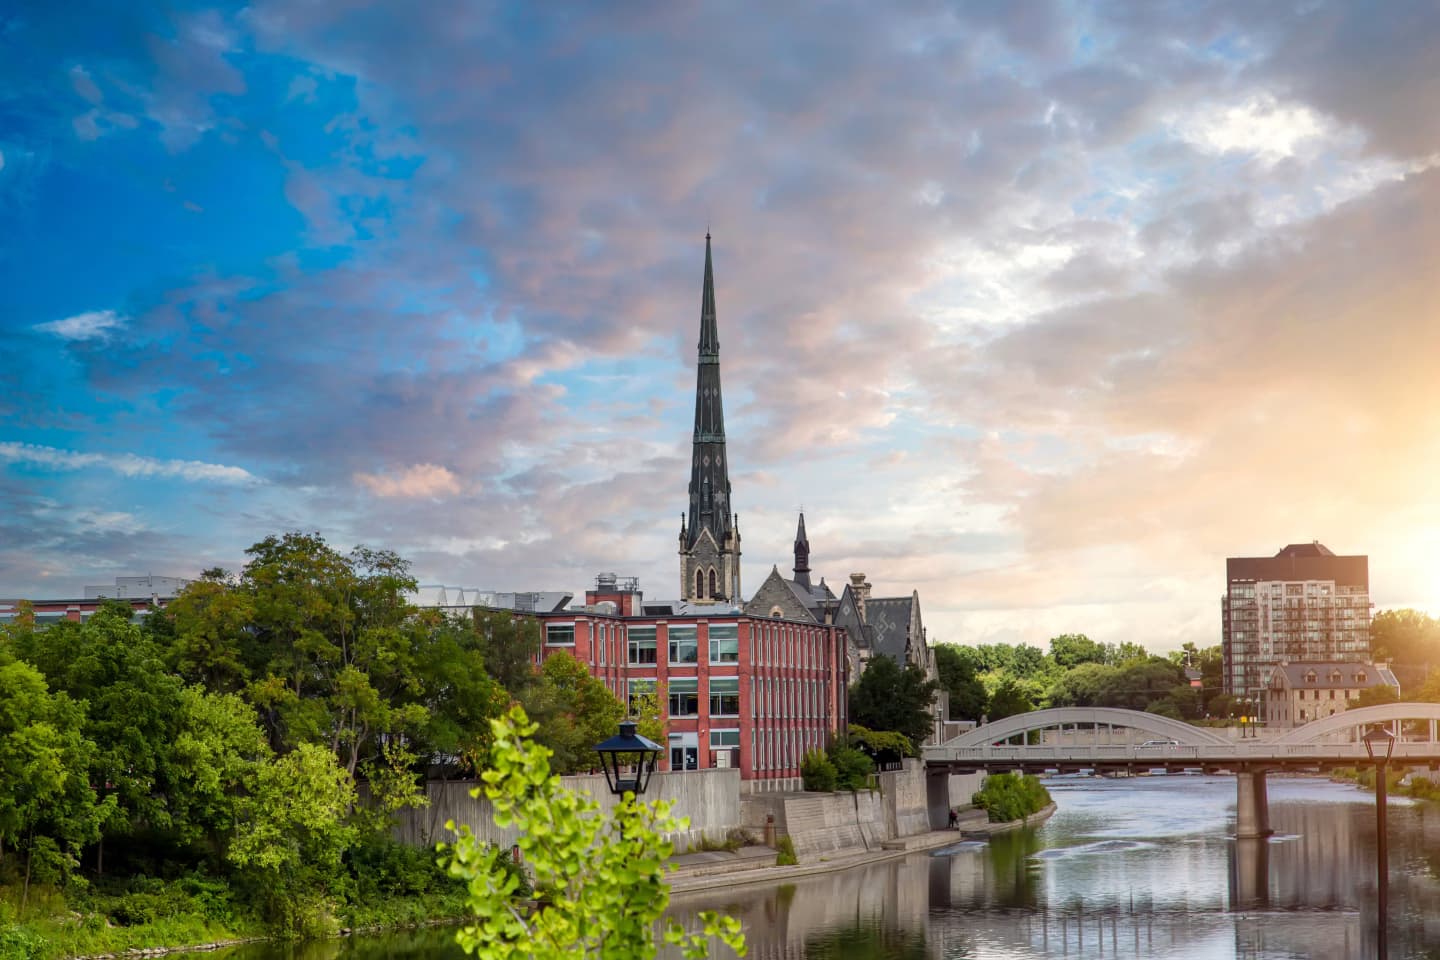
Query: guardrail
x,y
1216,753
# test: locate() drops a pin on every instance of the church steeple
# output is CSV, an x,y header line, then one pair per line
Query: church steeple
x,y
802,554
709,472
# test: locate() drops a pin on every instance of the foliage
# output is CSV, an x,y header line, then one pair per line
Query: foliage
x,y
785,851
292,833
852,767
881,744
1408,637
959,672
649,709
817,772
1072,649
1375,696
1008,698
1011,796
601,878
219,747
44,761
887,697
574,712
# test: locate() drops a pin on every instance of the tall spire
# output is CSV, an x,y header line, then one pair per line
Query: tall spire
x,y
802,554
709,473
709,336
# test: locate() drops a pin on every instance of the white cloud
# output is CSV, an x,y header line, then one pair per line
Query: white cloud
x,y
125,464
91,325
419,480
1260,125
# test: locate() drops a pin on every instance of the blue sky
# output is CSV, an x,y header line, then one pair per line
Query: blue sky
x,y
1040,309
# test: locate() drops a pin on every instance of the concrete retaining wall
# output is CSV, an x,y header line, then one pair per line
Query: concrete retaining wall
x,y
709,798
906,804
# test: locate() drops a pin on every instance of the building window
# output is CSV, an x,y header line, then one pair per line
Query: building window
x,y
699,584
1310,676
714,585
724,696
684,644
634,689
1360,676
642,646
559,634
724,643
684,697
720,739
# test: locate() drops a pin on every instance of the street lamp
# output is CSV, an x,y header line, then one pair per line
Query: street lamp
x,y
1379,744
628,760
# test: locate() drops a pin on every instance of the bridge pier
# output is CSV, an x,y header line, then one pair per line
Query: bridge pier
x,y
1252,806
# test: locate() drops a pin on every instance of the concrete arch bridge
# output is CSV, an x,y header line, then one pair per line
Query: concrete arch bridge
x,y
1105,739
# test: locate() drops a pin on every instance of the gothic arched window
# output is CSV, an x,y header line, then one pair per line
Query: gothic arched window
x,y
699,584
714,587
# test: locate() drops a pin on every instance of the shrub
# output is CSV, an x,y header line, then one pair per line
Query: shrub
x,y
785,852
1011,796
852,767
818,772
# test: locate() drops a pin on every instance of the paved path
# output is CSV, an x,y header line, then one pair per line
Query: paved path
x,y
757,864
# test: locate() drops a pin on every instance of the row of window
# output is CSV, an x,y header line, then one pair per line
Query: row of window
x,y
783,749
773,644
683,695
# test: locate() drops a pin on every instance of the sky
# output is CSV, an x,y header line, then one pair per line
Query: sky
x,y
1040,309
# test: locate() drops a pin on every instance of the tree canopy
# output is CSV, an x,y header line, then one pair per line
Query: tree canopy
x,y
889,697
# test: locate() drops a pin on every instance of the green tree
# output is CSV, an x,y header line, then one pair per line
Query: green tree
x,y
650,708
291,834
1010,697
1089,684
44,762
452,679
1072,649
210,637
217,753
574,711
108,663
601,878
1408,638
1381,693
959,671
333,647
887,697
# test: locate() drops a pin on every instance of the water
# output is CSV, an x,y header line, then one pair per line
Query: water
x,y
1127,868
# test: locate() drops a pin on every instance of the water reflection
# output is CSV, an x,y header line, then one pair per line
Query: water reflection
x,y
1136,868
1141,868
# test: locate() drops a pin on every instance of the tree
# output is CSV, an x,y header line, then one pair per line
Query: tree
x,y
210,631
887,697
960,678
109,664
1410,639
218,750
601,878
1374,696
1008,699
649,708
291,834
575,712
44,761
1072,649
1090,684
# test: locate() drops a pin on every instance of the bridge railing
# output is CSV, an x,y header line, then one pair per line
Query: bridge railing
x,y
1124,753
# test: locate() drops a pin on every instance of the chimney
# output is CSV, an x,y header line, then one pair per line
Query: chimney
x,y
861,589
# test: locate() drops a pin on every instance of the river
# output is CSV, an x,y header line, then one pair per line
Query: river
x,y
1137,867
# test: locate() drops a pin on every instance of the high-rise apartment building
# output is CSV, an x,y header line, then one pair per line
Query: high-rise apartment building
x,y
1303,604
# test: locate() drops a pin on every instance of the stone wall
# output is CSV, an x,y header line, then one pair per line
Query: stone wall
x,y
709,798
907,803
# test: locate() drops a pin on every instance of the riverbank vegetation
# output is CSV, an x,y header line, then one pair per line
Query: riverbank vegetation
x,y
1011,796
231,765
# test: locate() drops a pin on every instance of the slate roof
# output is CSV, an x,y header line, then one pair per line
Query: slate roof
x,y
813,597
889,621
1349,672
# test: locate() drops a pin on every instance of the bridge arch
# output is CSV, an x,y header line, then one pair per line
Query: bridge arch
x,y
1317,730
1151,723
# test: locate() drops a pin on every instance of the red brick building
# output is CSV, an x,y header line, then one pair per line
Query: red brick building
x,y
750,692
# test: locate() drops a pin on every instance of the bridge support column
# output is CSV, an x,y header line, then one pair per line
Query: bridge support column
x,y
1252,807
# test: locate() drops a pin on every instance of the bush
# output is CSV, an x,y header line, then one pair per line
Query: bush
x,y
17,943
852,767
818,772
785,852
1011,796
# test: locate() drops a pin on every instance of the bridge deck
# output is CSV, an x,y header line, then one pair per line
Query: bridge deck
x,y
1233,758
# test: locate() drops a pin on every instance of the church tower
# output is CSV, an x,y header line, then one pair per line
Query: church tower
x,y
802,554
709,532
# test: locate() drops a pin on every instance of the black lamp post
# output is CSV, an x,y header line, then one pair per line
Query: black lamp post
x,y
1379,744
628,760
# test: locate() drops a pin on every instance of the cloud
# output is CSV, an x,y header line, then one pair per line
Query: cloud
x,y
124,464
418,480
92,325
